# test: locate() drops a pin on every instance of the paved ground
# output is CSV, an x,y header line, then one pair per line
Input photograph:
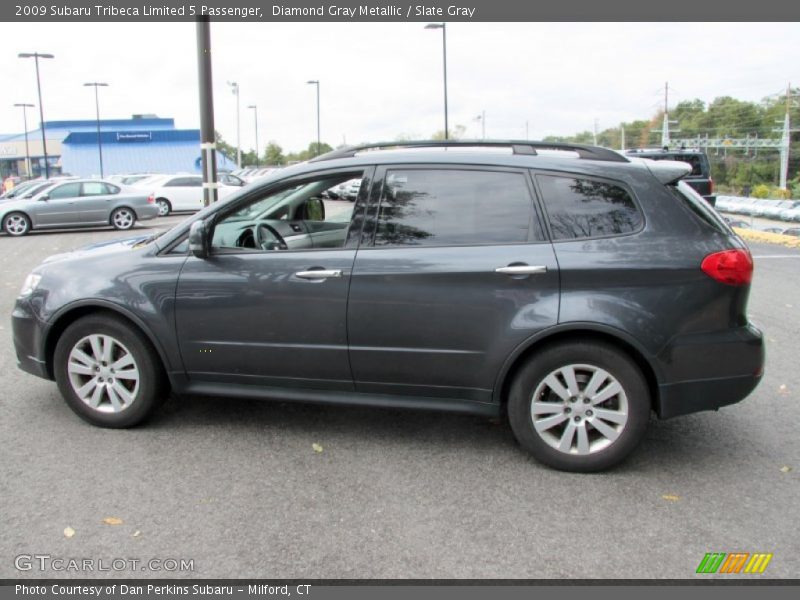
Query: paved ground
x,y
236,485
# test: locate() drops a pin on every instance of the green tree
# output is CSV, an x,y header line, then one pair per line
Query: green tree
x,y
455,133
274,154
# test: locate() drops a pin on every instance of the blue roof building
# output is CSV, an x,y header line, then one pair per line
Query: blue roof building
x,y
142,144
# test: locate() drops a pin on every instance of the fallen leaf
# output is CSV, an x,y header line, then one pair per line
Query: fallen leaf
x,y
785,469
69,532
112,521
316,447
783,390
671,497
137,533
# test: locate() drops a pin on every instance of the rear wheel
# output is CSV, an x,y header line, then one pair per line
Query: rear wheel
x,y
123,218
164,207
108,372
16,224
579,406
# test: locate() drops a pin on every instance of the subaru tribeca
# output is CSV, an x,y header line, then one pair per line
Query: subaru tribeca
x,y
571,288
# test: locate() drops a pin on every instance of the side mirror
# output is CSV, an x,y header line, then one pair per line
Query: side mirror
x,y
44,198
314,209
198,240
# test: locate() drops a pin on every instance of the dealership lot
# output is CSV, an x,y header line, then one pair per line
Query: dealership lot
x,y
237,487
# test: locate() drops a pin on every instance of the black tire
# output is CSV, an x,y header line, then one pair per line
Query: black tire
x,y
123,218
146,395
164,207
569,411
16,224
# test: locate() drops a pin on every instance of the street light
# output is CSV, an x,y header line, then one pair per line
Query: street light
x,y
443,27
316,83
255,119
482,118
95,85
27,150
235,92
36,56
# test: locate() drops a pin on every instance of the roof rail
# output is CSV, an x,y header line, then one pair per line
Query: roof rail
x,y
517,146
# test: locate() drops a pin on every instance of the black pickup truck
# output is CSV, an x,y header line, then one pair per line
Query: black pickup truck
x,y
699,178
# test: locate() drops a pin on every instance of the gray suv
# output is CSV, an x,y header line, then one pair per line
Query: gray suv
x,y
571,288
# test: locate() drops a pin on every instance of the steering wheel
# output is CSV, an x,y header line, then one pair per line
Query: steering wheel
x,y
267,238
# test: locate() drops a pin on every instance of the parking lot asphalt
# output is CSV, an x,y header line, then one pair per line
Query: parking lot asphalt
x,y
237,487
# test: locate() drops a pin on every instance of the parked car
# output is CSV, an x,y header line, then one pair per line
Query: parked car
x,y
700,176
76,203
792,231
790,214
737,223
772,229
575,292
179,193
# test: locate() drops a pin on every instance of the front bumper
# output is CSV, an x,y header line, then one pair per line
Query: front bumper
x,y
28,340
713,370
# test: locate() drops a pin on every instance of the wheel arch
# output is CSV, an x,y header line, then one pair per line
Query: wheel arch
x,y
72,313
577,332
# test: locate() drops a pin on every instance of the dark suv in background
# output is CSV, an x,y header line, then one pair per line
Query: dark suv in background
x,y
700,175
569,287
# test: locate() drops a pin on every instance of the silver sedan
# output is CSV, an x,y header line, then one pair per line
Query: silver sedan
x,y
77,203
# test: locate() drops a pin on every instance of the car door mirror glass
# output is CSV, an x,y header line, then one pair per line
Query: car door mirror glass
x,y
198,240
314,209
44,198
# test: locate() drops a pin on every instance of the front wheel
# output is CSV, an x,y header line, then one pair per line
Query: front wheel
x,y
16,224
579,406
123,218
164,207
108,372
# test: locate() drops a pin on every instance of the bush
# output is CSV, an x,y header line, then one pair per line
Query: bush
x,y
760,191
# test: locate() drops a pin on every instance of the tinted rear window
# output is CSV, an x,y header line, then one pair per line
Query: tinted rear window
x,y
441,207
587,208
695,203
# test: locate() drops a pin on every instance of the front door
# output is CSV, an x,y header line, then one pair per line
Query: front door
x,y
60,207
268,307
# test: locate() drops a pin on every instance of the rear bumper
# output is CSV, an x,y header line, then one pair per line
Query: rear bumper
x,y
145,213
713,370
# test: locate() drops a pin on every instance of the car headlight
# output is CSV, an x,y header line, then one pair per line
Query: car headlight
x,y
31,283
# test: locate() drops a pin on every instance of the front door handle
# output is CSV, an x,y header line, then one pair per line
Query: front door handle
x,y
319,274
521,269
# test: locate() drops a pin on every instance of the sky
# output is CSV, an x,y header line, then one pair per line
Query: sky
x,y
379,81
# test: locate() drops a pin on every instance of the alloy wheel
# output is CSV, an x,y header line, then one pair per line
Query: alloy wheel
x,y
103,373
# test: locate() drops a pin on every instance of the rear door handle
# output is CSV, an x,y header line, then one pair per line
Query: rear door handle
x,y
319,274
522,269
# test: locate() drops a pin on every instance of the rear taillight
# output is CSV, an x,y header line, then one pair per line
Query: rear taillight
x,y
151,199
731,267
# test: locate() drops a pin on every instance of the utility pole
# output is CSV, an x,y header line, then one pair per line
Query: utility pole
x,y
622,137
786,132
36,56
665,132
23,106
527,137
208,143
595,132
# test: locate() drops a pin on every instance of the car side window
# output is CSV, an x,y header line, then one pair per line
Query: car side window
x,y
294,217
444,207
580,208
94,188
68,190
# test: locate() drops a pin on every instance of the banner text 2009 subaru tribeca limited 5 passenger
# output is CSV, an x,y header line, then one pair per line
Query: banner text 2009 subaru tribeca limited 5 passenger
x,y
569,287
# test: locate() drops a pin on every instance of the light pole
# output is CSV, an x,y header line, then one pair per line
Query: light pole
x,y
36,56
482,118
255,122
235,91
27,150
95,85
443,27
316,83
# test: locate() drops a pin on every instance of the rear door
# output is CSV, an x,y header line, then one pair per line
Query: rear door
x,y
452,275
94,204
185,192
